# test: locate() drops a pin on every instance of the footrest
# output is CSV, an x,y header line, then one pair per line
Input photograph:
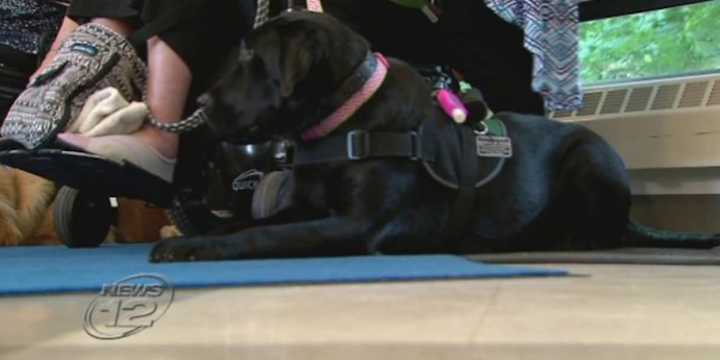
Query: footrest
x,y
92,173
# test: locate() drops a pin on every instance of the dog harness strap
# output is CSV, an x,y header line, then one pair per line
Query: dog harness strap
x,y
358,145
461,209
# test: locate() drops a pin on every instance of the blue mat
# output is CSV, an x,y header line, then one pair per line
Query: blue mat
x,y
54,270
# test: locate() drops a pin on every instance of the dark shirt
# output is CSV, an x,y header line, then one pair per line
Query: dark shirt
x,y
24,22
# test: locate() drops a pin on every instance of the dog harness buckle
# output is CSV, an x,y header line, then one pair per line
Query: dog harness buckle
x,y
415,146
358,145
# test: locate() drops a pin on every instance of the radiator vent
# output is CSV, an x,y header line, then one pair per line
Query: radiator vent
x,y
647,96
639,99
591,103
665,97
614,101
694,94
715,94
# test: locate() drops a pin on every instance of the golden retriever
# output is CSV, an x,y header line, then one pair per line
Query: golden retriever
x,y
25,203
26,216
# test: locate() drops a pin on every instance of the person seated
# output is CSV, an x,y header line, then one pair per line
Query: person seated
x,y
187,41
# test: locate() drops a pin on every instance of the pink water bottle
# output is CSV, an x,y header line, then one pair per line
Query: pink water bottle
x,y
452,105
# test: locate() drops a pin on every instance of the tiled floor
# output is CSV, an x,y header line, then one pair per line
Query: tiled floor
x,y
606,312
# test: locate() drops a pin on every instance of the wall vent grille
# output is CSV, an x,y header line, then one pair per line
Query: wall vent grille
x,y
639,99
614,101
694,94
665,97
715,94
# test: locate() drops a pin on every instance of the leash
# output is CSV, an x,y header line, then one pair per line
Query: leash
x,y
198,118
262,14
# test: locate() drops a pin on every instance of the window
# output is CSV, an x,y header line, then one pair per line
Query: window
x,y
674,41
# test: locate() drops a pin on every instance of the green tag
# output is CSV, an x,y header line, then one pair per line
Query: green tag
x,y
495,127
465,87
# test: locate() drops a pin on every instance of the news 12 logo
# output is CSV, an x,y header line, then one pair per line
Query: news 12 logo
x,y
128,306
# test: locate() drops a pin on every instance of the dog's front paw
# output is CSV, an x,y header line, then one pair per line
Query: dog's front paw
x,y
185,249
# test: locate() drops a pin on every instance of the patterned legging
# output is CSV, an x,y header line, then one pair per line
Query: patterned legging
x,y
551,35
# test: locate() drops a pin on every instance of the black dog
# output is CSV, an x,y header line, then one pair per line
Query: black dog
x,y
564,187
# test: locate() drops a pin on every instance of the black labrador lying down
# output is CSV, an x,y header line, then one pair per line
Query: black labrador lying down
x,y
563,188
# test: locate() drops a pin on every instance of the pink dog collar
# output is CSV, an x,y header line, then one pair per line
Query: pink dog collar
x,y
350,107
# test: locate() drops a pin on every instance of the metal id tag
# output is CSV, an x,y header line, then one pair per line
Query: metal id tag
x,y
494,146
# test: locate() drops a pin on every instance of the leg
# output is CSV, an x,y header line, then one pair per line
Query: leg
x,y
287,216
595,196
169,80
182,62
411,231
85,58
499,65
327,237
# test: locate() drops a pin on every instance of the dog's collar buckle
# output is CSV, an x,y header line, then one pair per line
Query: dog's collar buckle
x,y
358,145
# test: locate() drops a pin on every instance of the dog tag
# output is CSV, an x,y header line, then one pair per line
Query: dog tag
x,y
494,146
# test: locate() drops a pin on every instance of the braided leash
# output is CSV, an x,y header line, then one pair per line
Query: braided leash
x,y
193,122
262,15
199,117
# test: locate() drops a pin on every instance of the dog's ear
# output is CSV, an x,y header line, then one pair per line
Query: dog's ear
x,y
303,43
302,54
294,71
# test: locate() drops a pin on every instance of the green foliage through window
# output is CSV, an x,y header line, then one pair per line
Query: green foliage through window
x,y
666,42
